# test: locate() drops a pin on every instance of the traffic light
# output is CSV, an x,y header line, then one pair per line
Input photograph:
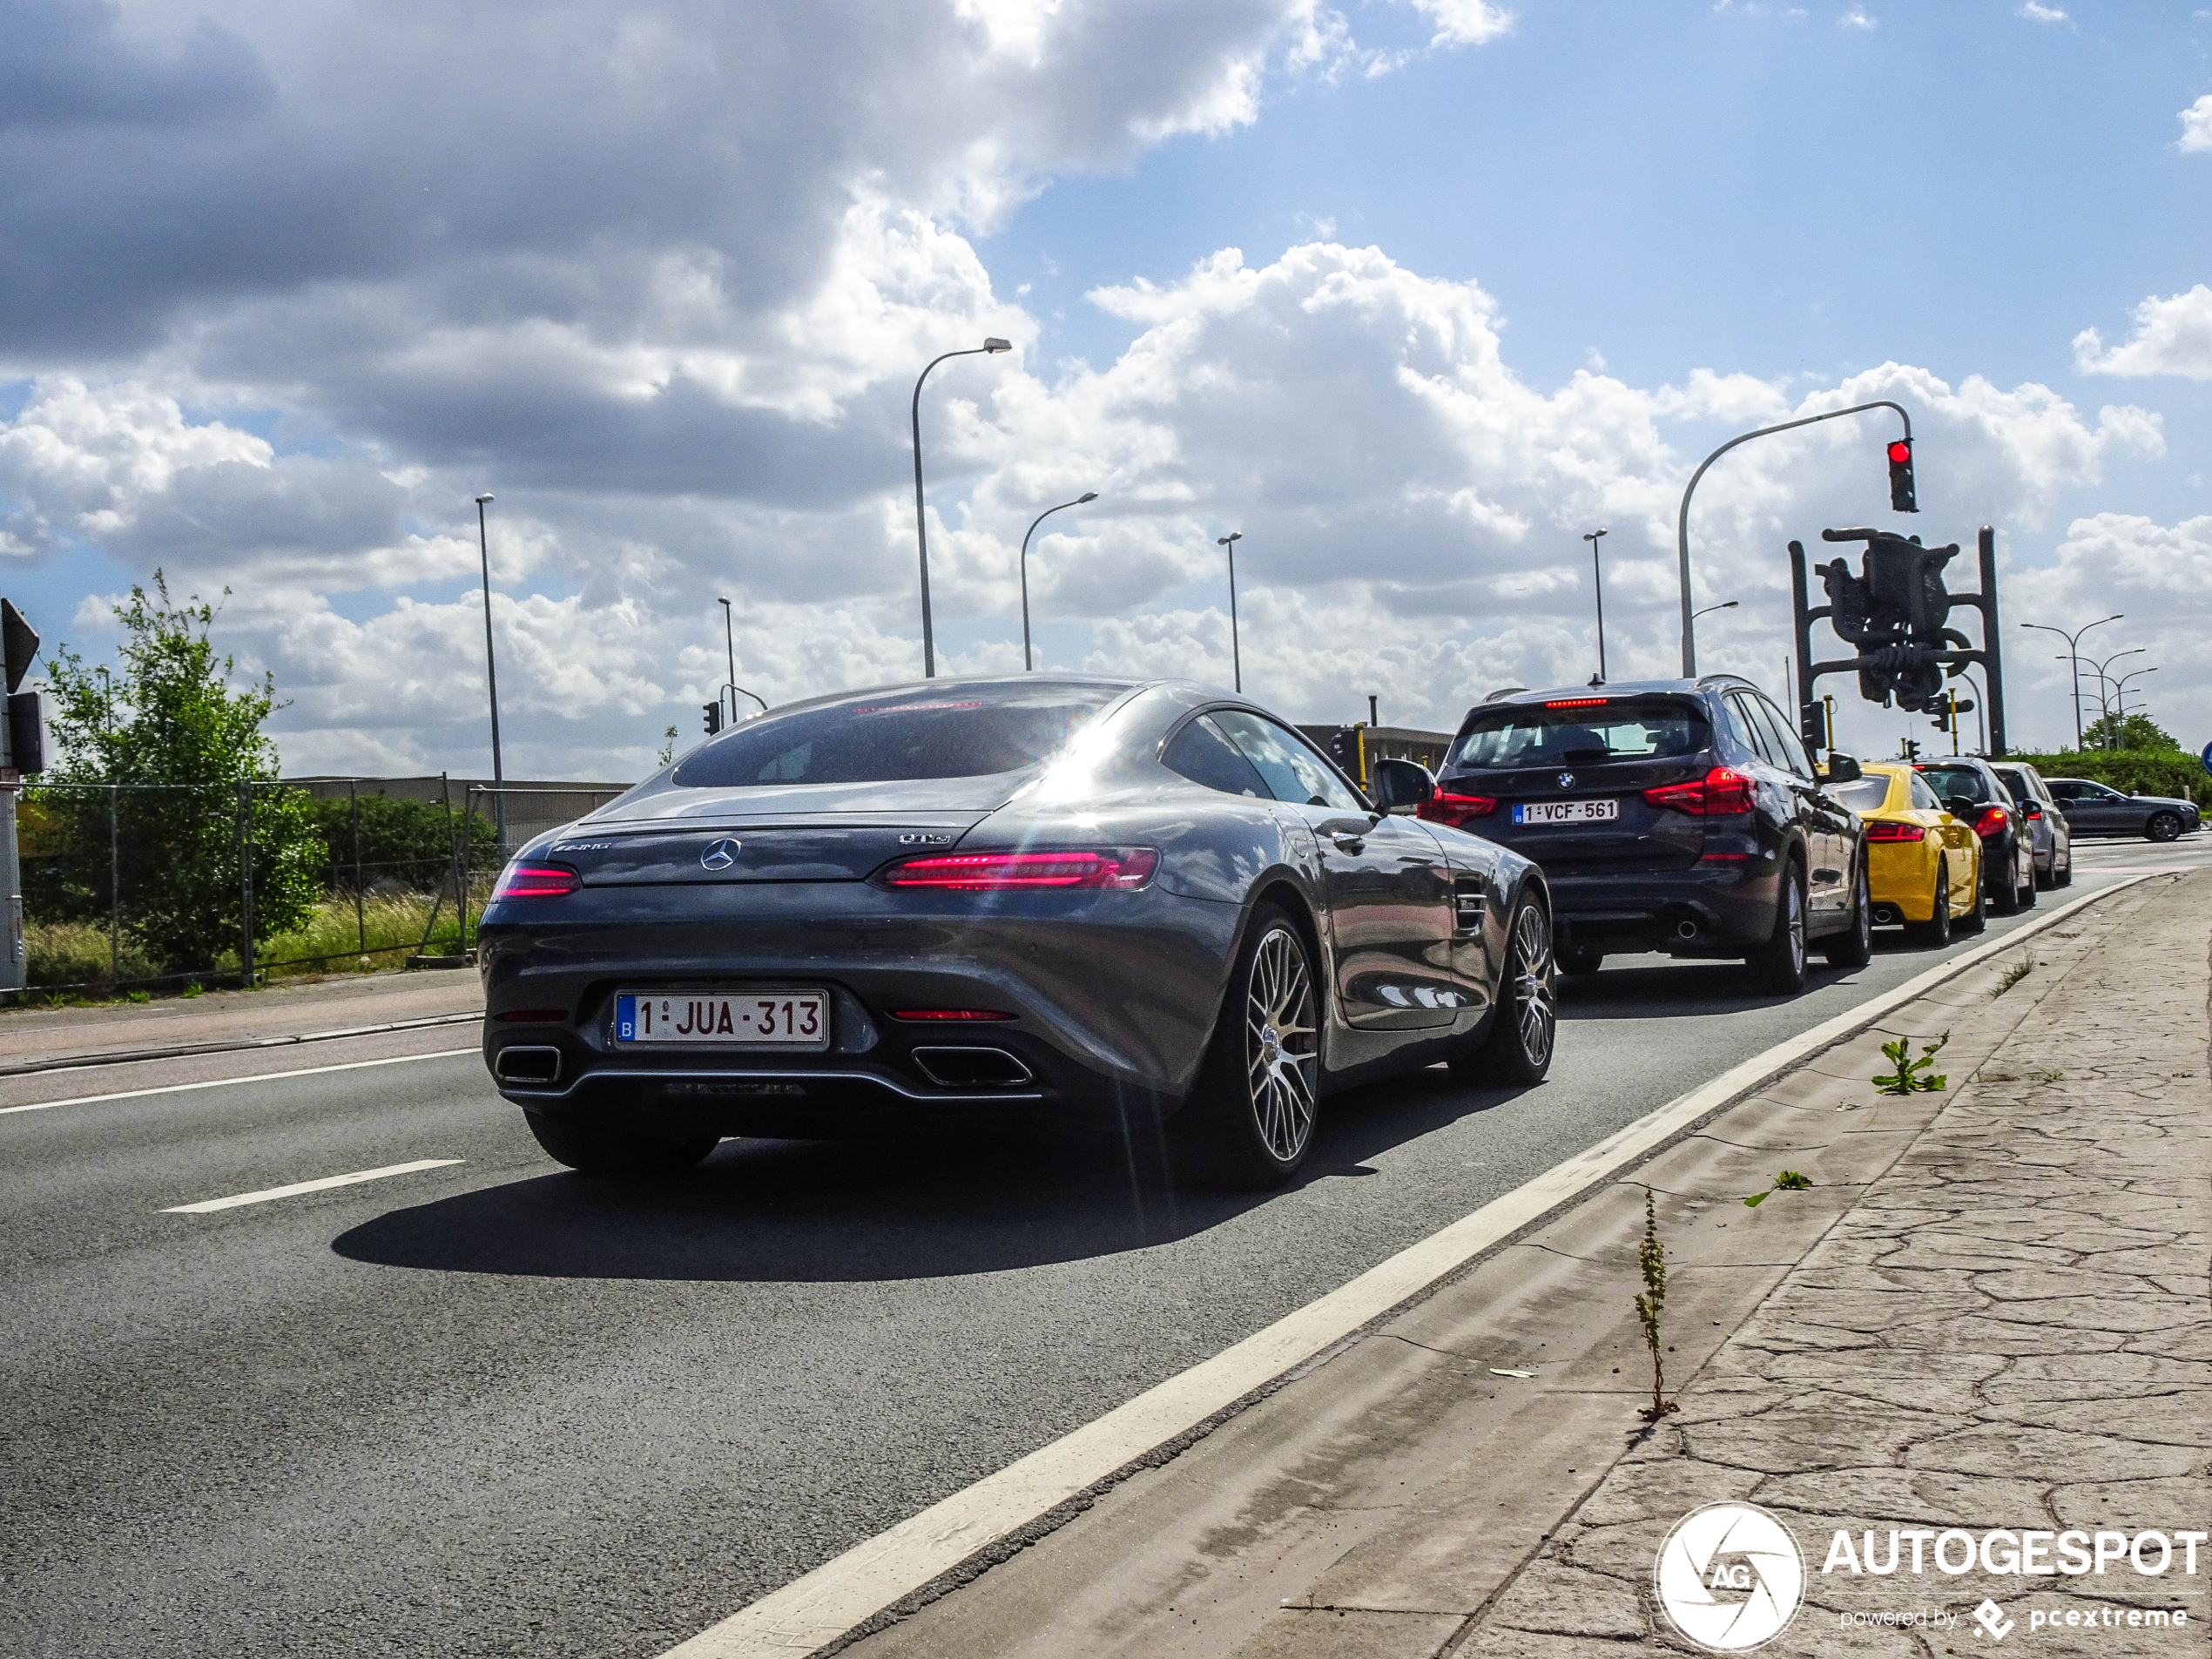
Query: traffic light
x,y
1896,613
24,732
713,715
1343,749
1901,496
1911,748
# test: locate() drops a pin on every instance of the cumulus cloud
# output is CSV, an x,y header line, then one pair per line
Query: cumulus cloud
x,y
2035,13
2196,125
2172,336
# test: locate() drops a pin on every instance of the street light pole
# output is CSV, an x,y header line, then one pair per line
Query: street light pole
x,y
993,345
729,640
1088,496
491,681
1682,520
1236,655
1597,586
2073,644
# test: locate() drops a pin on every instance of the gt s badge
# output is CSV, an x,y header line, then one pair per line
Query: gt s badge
x,y
917,840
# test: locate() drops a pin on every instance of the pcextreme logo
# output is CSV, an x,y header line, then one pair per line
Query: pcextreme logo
x,y
1730,1576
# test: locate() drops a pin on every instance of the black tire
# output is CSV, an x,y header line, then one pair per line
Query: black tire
x,y
2162,827
1999,885
1524,1031
1854,946
1578,960
2027,888
2046,880
1248,1124
2062,878
1936,931
1777,968
596,1149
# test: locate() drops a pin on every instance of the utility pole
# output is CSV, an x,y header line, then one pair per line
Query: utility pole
x,y
1597,585
1236,651
491,679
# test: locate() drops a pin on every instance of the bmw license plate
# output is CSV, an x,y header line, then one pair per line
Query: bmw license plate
x,y
779,1020
1566,812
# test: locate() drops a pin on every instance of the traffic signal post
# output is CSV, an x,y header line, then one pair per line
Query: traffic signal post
x,y
21,755
1897,612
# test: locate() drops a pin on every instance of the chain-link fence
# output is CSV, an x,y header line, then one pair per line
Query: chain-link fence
x,y
137,887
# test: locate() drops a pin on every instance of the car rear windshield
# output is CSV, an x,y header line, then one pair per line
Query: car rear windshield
x,y
2017,782
967,733
1867,794
1947,781
1578,733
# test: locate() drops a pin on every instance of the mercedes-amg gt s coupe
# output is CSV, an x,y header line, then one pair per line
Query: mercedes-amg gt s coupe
x,y
1146,907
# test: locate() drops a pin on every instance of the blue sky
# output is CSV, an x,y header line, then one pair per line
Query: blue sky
x,y
1498,278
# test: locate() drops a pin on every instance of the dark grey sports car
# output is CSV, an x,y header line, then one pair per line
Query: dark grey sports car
x,y
1148,908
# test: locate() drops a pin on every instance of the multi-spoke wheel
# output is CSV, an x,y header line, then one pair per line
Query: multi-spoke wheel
x,y
1778,966
1250,1123
1281,1053
1525,1030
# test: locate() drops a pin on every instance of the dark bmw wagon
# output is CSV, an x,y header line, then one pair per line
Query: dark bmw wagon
x,y
1671,815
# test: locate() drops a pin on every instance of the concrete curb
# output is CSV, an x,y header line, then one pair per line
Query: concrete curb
x,y
911,1564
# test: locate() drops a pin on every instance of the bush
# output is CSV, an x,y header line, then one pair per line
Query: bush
x,y
409,842
77,952
2133,771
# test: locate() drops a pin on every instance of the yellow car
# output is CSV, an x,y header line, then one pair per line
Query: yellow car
x,y
1923,865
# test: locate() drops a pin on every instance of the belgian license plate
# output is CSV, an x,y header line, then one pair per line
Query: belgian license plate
x,y
1566,812
782,1020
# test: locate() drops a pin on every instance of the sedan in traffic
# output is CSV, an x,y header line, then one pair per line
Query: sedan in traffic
x,y
2093,809
1146,908
1923,862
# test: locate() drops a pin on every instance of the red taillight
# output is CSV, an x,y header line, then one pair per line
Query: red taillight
x,y
1456,810
1720,792
536,881
1896,832
1993,822
1122,868
949,1014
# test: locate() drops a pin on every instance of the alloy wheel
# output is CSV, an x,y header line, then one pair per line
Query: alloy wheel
x,y
1797,923
1280,1045
1534,995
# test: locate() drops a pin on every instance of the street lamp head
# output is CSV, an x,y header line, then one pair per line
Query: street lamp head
x,y
994,345
1728,604
1233,535
1088,494
481,500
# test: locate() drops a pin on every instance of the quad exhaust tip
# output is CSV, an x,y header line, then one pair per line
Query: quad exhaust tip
x,y
527,1062
965,1068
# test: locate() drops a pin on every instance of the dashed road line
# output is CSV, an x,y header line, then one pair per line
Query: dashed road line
x,y
229,1083
208,1206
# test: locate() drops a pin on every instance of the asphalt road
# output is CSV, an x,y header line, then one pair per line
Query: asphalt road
x,y
489,1408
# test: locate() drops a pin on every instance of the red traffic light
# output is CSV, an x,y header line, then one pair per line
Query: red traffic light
x,y
1899,453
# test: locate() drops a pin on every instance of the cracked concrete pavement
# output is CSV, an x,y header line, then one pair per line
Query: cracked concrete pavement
x,y
1989,1310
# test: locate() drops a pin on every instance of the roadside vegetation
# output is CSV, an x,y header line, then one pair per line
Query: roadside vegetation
x,y
2135,756
162,809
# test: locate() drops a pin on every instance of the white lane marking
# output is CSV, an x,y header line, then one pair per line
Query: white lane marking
x,y
207,1207
226,1083
840,1593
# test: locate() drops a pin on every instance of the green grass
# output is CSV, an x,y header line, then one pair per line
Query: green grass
x,y
390,927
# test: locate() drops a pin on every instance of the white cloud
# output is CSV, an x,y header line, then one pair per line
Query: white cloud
x,y
1464,23
2035,13
1857,18
2196,125
2172,336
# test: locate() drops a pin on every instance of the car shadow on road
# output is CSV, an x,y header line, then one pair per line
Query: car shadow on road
x,y
1658,987
818,1211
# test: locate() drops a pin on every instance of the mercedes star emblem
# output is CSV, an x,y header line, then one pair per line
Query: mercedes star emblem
x,y
1566,781
720,855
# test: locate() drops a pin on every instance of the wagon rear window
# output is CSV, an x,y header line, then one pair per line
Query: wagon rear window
x,y
1580,733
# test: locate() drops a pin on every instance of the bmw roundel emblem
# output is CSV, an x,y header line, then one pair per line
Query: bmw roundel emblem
x,y
720,855
1566,781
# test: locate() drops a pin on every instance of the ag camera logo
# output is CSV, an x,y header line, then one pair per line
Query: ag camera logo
x,y
1730,1577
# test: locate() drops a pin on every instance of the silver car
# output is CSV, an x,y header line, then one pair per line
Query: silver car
x,y
2040,809
1148,908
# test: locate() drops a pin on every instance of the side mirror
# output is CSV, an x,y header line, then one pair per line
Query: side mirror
x,y
1842,769
1401,786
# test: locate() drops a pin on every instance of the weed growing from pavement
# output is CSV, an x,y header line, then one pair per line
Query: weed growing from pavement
x,y
1911,1077
2018,971
1651,1263
1788,1181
